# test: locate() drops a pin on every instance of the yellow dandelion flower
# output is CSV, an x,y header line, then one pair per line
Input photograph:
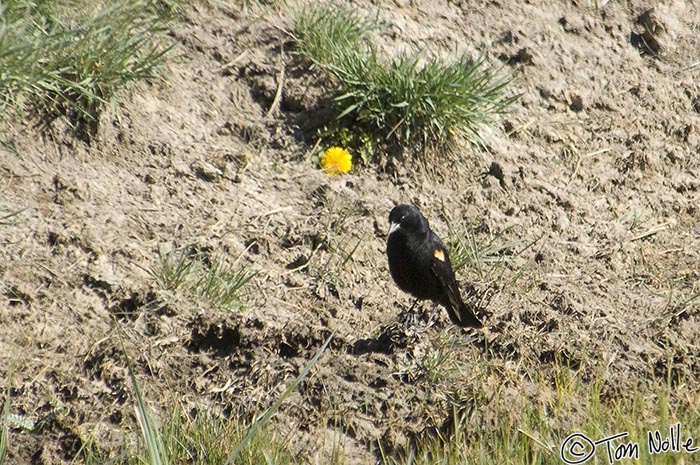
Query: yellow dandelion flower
x,y
336,160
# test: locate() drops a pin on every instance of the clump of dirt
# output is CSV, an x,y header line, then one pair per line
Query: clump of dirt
x,y
594,167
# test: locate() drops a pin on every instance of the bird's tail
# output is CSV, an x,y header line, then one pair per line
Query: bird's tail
x,y
461,314
464,316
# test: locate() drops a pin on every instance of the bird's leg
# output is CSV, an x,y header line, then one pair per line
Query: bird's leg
x,y
409,317
432,316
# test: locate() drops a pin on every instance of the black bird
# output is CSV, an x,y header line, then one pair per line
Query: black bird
x,y
420,265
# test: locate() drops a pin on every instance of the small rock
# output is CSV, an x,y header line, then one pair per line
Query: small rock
x,y
496,170
571,25
180,168
545,92
522,56
563,222
576,103
206,171
646,35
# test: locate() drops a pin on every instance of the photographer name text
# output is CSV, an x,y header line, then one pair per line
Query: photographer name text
x,y
578,448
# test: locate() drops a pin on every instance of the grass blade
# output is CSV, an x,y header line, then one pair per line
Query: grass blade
x,y
152,439
265,418
4,428
9,219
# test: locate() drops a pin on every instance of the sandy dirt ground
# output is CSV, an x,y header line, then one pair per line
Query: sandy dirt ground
x,y
597,212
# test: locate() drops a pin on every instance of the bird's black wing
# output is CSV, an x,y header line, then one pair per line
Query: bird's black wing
x,y
459,312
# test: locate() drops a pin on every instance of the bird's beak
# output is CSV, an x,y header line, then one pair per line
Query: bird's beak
x,y
393,227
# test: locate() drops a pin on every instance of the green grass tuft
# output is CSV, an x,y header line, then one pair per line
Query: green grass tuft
x,y
61,58
174,269
221,284
201,276
330,34
410,100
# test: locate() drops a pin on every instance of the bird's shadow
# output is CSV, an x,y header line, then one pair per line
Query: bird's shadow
x,y
399,334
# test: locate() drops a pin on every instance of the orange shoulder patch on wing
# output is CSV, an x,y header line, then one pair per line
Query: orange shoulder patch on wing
x,y
439,254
